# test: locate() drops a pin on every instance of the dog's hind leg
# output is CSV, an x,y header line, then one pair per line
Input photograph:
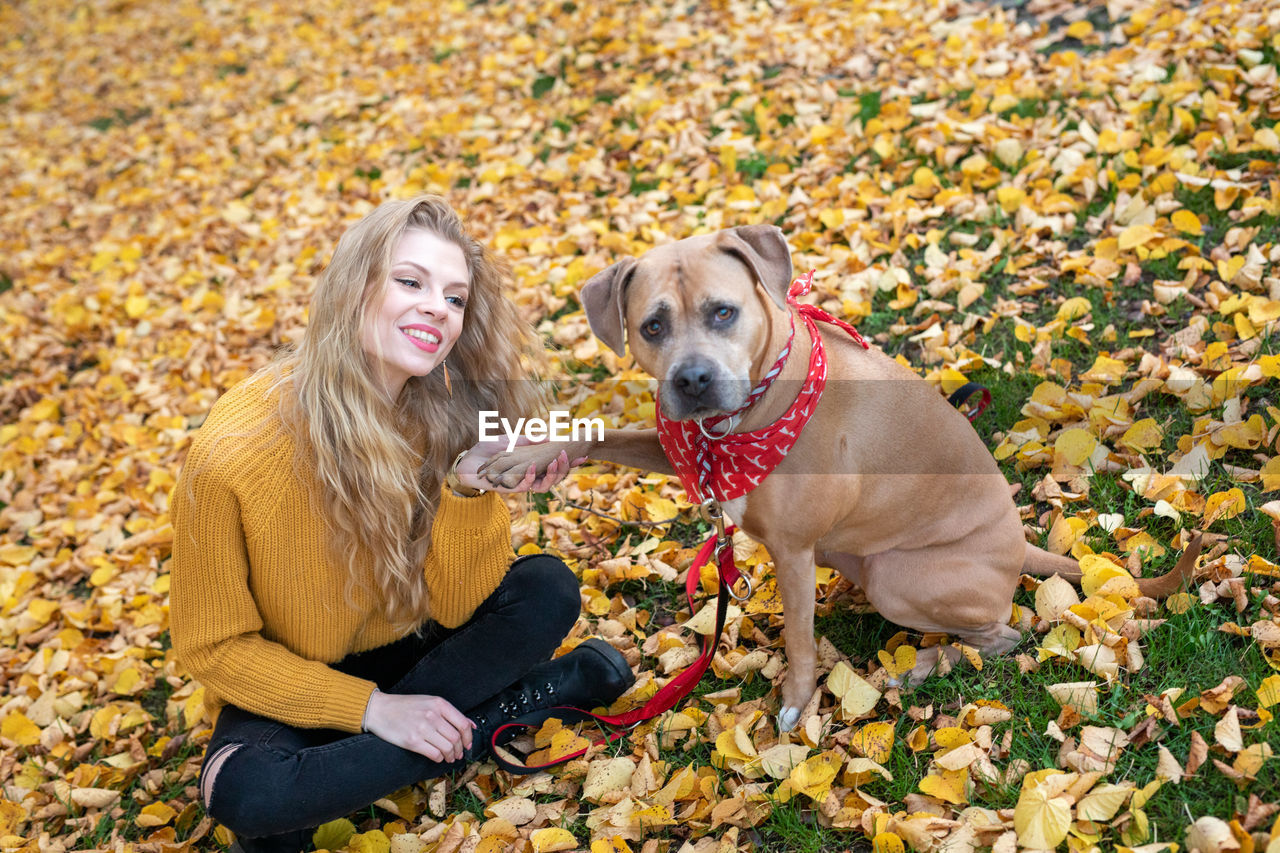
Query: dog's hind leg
x,y
996,638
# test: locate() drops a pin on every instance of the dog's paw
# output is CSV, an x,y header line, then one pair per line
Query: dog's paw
x,y
508,469
787,718
505,472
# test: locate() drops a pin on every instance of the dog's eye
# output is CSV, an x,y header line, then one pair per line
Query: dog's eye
x,y
725,313
651,329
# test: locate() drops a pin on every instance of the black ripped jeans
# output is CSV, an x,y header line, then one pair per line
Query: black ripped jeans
x,y
283,781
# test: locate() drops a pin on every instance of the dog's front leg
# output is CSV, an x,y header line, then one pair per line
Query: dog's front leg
x,y
796,581
631,447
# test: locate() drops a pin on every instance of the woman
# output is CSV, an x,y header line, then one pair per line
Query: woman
x,y
342,585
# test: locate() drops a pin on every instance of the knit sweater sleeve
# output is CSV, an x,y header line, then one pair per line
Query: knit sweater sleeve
x,y
216,625
470,552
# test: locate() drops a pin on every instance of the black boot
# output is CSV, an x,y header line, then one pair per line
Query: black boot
x,y
288,842
594,673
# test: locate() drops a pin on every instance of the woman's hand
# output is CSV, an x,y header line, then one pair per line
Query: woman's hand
x,y
427,725
469,466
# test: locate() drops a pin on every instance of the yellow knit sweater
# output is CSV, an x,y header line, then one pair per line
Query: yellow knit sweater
x,y
258,610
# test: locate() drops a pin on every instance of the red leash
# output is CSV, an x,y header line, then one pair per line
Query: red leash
x,y
719,545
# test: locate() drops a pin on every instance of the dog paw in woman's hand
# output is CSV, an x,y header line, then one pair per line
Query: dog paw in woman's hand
x,y
510,471
528,468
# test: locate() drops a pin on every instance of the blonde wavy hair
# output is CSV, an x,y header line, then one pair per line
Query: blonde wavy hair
x,y
380,462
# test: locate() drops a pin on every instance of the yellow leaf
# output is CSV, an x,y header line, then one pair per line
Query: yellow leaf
x,y
1074,446
1040,820
1137,235
1010,198
237,212
860,770
875,741
1143,434
814,776
100,722
902,661
738,745
1271,474
1251,759
1186,222
832,218
1080,695
1096,570
1080,29
333,835
373,841
778,760
614,844
1102,803
1226,732
1053,596
1099,659
856,696
135,306
924,178
41,610
552,838
1064,533
947,785
1223,505
155,814
129,681
19,729
1105,369
598,603
1074,308
887,842
605,775
11,814
1230,268
950,737
1269,691
17,555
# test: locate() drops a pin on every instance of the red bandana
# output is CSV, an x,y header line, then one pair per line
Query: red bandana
x,y
731,466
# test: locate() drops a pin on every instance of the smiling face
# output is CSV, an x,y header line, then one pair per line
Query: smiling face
x,y
420,316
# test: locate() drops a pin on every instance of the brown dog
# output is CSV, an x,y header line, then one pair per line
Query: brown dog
x,y
887,483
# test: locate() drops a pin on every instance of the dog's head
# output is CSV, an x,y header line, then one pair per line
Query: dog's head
x,y
697,314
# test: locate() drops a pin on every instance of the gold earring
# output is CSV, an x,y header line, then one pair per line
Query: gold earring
x,y
448,386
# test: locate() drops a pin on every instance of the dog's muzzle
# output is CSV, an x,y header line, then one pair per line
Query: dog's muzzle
x,y
698,387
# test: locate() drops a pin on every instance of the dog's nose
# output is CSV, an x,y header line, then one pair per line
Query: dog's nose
x,y
693,379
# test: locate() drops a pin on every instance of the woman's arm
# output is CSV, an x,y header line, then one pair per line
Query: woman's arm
x,y
215,623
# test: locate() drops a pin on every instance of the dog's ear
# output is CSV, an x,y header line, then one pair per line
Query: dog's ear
x,y
763,248
603,299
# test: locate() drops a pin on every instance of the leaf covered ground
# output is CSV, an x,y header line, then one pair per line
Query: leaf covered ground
x,y
1075,205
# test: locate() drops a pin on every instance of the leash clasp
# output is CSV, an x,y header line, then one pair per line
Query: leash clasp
x,y
713,514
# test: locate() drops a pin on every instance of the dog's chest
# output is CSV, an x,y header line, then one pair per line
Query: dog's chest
x,y
735,510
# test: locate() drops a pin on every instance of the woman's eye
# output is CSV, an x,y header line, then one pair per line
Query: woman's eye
x,y
458,301
409,282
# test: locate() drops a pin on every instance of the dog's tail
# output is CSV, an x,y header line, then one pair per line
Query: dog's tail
x,y
1041,563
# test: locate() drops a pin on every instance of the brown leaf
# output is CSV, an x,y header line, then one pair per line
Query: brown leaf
x,y
1199,752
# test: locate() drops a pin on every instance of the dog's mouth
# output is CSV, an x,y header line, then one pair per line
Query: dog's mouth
x,y
720,398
